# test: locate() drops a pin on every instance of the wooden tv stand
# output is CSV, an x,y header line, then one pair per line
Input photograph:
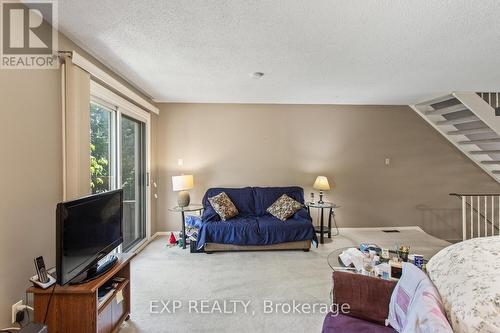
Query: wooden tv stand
x,y
75,308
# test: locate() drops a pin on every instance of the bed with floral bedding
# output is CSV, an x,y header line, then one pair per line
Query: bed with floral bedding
x,y
467,275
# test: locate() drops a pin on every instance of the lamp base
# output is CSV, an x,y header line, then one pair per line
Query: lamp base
x,y
183,199
321,198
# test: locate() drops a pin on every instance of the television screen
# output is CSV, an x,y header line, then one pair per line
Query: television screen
x,y
87,230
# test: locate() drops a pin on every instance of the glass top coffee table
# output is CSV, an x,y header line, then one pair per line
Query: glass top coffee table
x,y
336,264
334,260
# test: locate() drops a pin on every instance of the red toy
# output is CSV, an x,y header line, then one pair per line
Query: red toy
x,y
172,239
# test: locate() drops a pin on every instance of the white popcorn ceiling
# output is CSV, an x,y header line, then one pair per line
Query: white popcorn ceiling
x,y
311,51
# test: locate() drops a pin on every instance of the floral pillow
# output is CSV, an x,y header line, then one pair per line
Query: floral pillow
x,y
284,207
223,206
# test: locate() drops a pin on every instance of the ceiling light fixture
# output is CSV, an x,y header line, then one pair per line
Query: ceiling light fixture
x,y
257,75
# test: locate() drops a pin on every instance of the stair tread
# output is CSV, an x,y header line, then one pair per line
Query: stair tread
x,y
449,109
461,120
473,142
471,131
446,103
491,162
479,152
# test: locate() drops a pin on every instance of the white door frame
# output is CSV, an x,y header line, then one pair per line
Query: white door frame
x,y
131,110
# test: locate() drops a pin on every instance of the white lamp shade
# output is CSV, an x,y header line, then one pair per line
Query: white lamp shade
x,y
182,183
321,184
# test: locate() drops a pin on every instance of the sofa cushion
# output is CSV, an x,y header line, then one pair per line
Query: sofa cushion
x,y
347,324
242,198
242,230
266,196
223,206
284,207
273,230
368,297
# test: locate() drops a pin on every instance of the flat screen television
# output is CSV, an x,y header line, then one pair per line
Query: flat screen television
x,y
87,230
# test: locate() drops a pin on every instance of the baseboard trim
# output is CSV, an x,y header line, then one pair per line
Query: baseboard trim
x,y
152,238
163,233
381,228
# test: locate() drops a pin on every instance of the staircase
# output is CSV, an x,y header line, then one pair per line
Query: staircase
x,y
471,121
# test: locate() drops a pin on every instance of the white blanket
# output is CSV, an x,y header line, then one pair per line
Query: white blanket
x,y
415,304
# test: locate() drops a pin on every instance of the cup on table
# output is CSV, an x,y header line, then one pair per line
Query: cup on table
x,y
385,254
367,266
418,260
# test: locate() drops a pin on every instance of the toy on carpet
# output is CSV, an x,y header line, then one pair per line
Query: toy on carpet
x,y
172,241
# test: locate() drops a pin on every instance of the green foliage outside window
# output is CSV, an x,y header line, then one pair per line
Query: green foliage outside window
x,y
99,149
100,154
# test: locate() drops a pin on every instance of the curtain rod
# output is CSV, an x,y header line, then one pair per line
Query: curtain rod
x,y
108,80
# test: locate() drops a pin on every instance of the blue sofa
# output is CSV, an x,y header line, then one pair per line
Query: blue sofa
x,y
254,228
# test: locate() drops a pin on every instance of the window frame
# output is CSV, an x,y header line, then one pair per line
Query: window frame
x,y
111,100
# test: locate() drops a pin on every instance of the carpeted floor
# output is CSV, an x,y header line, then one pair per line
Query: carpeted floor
x,y
248,281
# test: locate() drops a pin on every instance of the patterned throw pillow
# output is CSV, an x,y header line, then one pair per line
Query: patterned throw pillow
x,y
284,207
223,206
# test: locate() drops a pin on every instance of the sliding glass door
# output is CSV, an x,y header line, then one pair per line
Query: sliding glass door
x,y
133,176
119,150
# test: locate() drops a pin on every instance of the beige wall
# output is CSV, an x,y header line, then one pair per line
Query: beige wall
x,y
241,145
31,169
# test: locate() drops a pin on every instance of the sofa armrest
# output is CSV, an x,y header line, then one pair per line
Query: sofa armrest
x,y
368,297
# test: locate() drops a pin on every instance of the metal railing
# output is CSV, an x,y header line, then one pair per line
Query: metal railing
x,y
480,214
492,98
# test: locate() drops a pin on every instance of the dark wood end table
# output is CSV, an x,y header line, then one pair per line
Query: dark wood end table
x,y
322,229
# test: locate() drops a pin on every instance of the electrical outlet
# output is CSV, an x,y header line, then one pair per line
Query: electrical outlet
x,y
15,309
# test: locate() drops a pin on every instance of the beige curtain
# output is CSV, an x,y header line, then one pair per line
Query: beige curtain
x,y
76,130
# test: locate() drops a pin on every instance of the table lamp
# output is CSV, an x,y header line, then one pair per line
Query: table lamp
x,y
321,184
182,184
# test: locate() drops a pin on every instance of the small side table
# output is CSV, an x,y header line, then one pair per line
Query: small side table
x,y
182,210
322,229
